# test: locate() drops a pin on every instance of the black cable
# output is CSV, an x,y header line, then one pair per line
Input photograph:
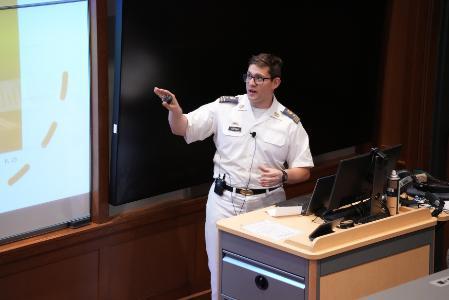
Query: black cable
x,y
252,160
316,217
249,179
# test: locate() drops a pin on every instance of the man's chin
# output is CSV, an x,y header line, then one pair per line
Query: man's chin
x,y
252,97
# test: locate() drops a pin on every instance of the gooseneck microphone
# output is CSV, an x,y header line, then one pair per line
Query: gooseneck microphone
x,y
253,134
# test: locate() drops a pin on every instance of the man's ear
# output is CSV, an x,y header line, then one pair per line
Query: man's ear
x,y
276,82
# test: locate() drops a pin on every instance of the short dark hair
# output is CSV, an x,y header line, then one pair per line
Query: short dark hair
x,y
273,62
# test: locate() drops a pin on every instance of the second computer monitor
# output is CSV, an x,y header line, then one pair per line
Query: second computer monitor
x,y
352,182
354,177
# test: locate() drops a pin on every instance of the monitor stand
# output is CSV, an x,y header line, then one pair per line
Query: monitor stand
x,y
377,193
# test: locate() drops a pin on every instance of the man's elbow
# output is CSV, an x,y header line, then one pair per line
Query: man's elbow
x,y
177,131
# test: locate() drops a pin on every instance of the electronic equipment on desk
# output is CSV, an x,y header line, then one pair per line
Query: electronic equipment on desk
x,y
358,213
325,228
360,184
419,189
428,200
350,212
409,201
312,203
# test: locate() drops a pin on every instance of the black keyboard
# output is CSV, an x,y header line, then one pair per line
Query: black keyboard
x,y
372,218
347,212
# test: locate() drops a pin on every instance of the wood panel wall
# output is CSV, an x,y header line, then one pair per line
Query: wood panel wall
x,y
158,252
409,79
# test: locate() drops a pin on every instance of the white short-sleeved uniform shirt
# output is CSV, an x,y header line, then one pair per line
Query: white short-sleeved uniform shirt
x,y
244,143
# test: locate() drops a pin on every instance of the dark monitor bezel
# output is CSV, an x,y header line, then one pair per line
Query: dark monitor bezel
x,y
321,194
354,177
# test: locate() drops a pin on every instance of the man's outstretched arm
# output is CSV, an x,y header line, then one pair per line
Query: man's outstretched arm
x,y
178,122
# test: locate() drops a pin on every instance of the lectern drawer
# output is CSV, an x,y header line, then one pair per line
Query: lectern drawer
x,y
244,278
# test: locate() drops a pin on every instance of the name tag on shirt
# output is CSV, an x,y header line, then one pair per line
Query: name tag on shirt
x,y
235,128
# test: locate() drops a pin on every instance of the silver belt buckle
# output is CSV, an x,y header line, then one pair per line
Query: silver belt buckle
x,y
246,192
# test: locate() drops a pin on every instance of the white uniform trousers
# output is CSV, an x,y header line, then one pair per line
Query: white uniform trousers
x,y
227,205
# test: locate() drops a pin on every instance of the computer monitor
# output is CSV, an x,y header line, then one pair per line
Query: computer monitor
x,y
320,195
352,182
359,176
383,162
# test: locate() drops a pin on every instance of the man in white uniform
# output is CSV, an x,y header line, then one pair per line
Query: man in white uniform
x,y
260,145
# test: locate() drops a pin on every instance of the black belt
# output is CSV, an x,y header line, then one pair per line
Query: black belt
x,y
249,192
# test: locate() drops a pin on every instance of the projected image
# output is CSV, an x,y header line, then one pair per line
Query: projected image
x,y
44,103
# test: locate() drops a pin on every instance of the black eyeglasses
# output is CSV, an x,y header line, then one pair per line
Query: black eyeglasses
x,y
257,78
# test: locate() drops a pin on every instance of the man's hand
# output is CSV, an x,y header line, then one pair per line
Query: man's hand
x,y
173,105
269,176
178,122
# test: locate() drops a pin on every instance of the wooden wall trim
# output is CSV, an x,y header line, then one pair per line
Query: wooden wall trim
x,y
131,220
100,112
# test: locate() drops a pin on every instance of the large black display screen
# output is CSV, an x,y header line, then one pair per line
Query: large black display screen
x,y
199,49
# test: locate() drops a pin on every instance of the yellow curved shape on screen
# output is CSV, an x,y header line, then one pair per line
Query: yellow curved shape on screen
x,y
64,84
49,135
19,174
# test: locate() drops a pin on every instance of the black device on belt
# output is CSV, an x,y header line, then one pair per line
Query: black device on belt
x,y
248,192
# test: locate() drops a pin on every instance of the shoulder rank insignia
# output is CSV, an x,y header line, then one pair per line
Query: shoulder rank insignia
x,y
291,115
229,99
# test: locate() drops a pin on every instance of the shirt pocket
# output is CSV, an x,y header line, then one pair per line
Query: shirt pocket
x,y
274,137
